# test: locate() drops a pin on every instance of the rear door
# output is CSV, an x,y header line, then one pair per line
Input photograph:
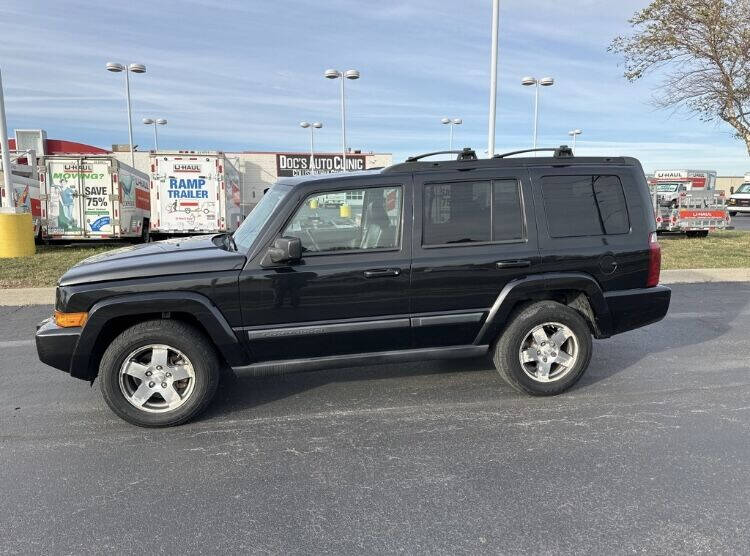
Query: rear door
x,y
188,194
98,197
65,199
473,233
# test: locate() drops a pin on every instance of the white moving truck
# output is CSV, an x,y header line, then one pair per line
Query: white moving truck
x,y
194,193
93,197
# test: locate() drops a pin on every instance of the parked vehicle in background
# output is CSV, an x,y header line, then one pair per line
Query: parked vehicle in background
x,y
739,200
93,197
686,201
25,191
520,259
194,193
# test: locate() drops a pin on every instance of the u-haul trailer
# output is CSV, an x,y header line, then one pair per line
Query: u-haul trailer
x,y
25,186
92,197
194,193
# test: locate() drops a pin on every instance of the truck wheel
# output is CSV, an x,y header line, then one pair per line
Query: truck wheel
x,y
544,350
697,233
159,373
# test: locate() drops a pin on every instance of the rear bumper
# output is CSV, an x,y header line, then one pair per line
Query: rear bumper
x,y
632,309
55,345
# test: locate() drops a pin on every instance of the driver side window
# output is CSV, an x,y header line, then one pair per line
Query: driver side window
x,y
350,220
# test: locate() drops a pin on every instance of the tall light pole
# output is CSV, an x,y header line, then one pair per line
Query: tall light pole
x,y
493,78
4,146
451,122
544,82
134,68
155,122
574,133
313,126
348,74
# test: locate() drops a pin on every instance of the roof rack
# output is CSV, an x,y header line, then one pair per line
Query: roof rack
x,y
563,151
464,154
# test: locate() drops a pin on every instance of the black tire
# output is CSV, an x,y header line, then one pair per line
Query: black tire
x,y
179,336
507,350
697,233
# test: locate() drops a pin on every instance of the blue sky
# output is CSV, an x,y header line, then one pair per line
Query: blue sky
x,y
240,75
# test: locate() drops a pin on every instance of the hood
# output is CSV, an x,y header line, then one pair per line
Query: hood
x,y
173,256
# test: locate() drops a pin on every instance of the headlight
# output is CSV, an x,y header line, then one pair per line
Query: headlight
x,y
732,201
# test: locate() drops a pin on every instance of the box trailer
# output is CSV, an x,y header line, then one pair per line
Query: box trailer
x,y
194,193
94,197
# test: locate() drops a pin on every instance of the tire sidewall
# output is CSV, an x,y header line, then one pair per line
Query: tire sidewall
x,y
508,347
181,337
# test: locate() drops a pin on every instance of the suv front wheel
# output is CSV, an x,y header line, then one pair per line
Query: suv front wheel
x,y
544,350
159,373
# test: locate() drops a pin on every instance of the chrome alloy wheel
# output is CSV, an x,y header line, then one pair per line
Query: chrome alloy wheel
x,y
157,378
548,352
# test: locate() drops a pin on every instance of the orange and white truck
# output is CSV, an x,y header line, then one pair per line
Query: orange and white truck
x,y
686,201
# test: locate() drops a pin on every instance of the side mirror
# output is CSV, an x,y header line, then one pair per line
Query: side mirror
x,y
731,190
284,250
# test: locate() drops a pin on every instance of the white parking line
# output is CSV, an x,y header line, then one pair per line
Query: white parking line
x,y
16,343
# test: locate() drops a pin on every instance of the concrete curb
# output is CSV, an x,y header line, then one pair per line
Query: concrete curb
x,y
46,296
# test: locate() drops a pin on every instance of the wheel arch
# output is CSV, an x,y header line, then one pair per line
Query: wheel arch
x,y
576,290
110,317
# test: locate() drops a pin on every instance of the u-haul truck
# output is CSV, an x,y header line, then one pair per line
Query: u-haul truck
x,y
687,201
194,193
93,197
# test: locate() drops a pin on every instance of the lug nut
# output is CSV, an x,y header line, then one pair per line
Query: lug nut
x,y
151,384
543,343
169,375
163,384
544,359
148,373
158,367
539,352
553,354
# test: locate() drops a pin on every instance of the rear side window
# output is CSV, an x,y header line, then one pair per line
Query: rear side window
x,y
472,212
591,205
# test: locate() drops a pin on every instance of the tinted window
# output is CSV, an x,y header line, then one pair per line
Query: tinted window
x,y
507,212
584,205
368,218
467,212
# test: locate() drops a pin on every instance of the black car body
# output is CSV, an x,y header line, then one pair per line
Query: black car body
x,y
447,255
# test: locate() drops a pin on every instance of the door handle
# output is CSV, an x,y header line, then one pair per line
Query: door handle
x,y
513,264
381,272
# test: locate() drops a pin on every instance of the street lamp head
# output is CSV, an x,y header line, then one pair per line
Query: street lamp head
x,y
351,74
445,120
332,74
148,121
317,125
575,132
137,68
528,80
304,124
546,81
115,67
161,121
457,121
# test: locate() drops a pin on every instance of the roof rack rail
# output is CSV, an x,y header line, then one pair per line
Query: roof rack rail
x,y
563,151
464,154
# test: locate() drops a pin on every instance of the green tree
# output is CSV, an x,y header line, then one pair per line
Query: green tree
x,y
702,48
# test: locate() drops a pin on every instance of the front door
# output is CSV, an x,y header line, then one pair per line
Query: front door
x,y
474,232
349,293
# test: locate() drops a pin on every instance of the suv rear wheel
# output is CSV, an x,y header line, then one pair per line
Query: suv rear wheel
x,y
544,350
159,373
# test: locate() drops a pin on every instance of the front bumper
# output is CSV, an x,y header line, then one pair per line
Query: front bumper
x,y
736,208
55,345
632,309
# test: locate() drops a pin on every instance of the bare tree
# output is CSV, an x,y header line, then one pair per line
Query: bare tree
x,y
703,49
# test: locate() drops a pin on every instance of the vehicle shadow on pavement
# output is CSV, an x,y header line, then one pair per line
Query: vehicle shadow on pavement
x,y
703,323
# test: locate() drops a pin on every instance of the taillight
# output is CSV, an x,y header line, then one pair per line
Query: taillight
x,y
654,261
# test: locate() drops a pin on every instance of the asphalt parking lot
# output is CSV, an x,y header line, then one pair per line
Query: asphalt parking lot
x,y
741,222
650,453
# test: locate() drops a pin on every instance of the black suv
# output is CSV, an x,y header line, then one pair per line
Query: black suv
x,y
524,259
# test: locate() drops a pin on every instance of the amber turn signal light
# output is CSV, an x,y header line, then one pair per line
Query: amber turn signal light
x,y
70,320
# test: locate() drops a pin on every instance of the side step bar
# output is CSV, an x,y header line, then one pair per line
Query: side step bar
x,y
287,366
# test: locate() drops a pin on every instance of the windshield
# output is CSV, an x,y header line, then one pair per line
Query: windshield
x,y
744,188
252,225
667,187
